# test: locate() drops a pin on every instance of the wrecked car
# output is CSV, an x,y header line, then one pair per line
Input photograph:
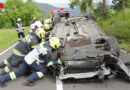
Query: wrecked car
x,y
87,52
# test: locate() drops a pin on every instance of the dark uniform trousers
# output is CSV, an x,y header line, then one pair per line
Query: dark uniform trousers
x,y
39,69
21,34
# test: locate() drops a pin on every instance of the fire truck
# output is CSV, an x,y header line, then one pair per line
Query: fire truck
x,y
57,15
2,7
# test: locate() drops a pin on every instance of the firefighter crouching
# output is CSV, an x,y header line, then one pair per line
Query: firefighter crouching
x,y
23,47
38,59
50,23
35,25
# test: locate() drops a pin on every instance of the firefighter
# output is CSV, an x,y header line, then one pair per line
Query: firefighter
x,y
50,23
34,20
46,21
37,60
35,25
20,30
21,49
46,27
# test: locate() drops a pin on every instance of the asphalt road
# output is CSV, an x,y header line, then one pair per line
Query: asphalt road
x,y
49,83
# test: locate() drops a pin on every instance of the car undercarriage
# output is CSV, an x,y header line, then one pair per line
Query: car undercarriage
x,y
87,52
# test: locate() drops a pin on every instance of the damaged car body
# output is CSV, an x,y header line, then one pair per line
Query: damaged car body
x,y
87,52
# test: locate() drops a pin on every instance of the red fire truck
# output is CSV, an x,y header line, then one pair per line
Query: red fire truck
x,y
1,5
61,13
2,8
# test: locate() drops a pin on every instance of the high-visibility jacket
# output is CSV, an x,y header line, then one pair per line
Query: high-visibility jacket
x,y
19,27
27,44
40,54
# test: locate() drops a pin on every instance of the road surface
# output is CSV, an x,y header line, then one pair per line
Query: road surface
x,y
49,83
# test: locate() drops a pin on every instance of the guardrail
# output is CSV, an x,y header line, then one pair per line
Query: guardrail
x,y
14,29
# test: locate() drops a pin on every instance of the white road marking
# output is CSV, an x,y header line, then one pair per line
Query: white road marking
x,y
7,49
59,85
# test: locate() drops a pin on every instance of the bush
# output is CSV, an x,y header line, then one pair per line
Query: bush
x,y
18,9
118,27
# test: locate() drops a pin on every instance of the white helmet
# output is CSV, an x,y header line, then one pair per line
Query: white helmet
x,y
40,32
35,25
34,18
50,21
19,19
32,26
38,24
46,21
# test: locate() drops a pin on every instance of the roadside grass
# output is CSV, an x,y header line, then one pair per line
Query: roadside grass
x,y
8,38
119,28
125,45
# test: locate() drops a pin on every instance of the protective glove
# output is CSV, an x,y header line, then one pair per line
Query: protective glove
x,y
49,64
59,61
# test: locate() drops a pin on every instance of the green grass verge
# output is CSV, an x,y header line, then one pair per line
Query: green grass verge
x,y
8,38
125,45
119,28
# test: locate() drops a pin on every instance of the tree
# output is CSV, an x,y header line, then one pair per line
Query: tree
x,y
117,4
98,11
104,9
121,5
18,9
83,4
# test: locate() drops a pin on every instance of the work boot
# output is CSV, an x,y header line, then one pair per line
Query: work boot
x,y
2,65
27,83
2,85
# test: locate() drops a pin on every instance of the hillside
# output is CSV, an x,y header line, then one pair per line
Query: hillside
x,y
75,11
119,28
48,8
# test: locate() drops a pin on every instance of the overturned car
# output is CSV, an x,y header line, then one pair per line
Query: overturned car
x,y
87,52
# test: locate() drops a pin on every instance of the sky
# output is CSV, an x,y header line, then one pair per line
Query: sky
x,y
58,3
107,1
2,1
63,3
